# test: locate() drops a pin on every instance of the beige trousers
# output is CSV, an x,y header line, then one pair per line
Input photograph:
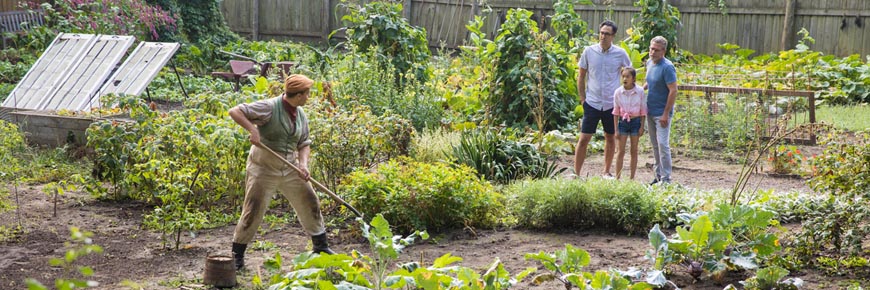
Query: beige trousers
x,y
266,174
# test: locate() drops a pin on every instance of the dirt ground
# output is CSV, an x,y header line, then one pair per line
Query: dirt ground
x,y
137,256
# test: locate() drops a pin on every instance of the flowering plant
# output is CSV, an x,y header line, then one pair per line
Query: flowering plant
x,y
119,17
786,159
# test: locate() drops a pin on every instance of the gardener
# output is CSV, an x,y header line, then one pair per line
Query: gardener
x,y
602,64
661,82
280,124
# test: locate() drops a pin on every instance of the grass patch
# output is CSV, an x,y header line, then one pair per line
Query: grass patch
x,y
845,117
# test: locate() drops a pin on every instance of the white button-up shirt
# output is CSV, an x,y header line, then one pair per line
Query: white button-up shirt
x,y
603,74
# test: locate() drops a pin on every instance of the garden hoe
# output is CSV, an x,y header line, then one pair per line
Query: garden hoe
x,y
316,184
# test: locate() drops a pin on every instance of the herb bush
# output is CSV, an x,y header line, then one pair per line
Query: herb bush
x,y
562,203
431,196
498,156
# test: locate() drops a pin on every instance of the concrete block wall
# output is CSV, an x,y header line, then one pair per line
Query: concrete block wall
x,y
51,130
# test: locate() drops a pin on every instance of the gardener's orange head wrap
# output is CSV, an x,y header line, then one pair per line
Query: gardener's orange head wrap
x,y
296,84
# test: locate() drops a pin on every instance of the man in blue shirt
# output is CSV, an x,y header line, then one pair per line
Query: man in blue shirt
x,y
661,82
602,64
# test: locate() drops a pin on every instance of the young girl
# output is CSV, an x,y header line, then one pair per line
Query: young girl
x,y
629,112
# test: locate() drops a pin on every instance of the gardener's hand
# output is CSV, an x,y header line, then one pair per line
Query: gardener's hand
x,y
303,172
664,121
255,138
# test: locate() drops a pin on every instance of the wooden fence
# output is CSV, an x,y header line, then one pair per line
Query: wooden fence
x,y
840,27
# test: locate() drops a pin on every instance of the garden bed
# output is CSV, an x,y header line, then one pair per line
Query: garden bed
x,y
118,229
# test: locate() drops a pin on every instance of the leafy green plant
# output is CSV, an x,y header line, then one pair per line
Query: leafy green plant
x,y
786,159
379,27
563,265
532,82
656,17
81,245
728,237
416,195
571,32
497,157
772,278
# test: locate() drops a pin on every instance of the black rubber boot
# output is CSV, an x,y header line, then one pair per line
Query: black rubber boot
x,y
239,255
321,245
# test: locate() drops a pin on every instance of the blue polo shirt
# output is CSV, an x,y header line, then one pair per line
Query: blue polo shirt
x,y
658,76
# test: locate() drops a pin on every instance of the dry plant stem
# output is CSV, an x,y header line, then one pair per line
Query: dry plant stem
x,y
17,204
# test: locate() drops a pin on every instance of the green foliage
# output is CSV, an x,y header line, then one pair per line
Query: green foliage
x,y
361,81
498,157
565,266
183,162
357,271
115,17
730,129
656,17
416,195
14,64
338,146
559,203
81,245
380,28
166,86
199,21
842,168
434,145
787,159
771,278
571,31
728,237
533,82
843,117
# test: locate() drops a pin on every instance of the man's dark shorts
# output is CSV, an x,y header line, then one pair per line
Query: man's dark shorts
x,y
591,116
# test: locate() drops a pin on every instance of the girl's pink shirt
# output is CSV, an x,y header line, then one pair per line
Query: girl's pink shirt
x,y
629,103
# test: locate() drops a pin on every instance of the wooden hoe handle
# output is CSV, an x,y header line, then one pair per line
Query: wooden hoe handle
x,y
316,184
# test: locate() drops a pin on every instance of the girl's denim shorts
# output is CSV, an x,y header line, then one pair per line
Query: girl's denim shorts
x,y
629,128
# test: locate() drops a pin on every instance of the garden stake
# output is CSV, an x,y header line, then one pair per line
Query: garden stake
x,y
316,184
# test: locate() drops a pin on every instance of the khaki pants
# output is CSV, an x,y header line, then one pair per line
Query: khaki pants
x,y
264,175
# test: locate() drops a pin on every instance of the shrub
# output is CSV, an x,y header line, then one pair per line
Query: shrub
x,y
415,195
561,203
496,157
434,145
348,138
119,17
842,168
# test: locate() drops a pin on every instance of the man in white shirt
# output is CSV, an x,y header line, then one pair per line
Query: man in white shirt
x,y
597,79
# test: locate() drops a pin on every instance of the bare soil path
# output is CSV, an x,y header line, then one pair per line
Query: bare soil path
x,y
137,256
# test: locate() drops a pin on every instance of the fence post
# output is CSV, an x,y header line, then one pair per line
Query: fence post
x,y
255,20
326,14
788,25
406,10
